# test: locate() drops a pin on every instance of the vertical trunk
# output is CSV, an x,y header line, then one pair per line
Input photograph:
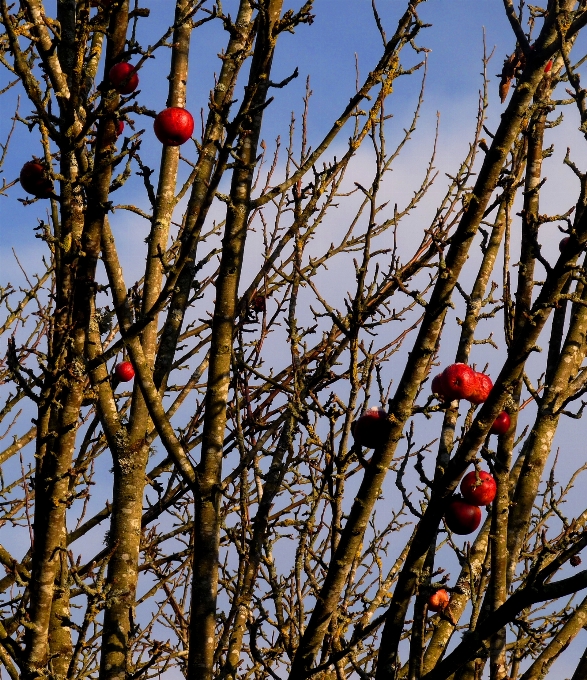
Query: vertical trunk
x,y
538,444
51,493
561,366
72,220
74,299
130,458
498,584
419,623
49,634
60,647
207,501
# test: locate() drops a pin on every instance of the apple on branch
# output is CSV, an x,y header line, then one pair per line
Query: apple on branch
x,y
370,430
478,487
462,517
438,601
124,371
501,424
458,381
124,77
34,179
173,126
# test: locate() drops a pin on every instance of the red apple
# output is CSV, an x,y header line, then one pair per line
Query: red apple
x,y
34,180
370,429
458,381
124,77
124,371
438,600
438,386
501,424
119,127
563,244
173,126
478,488
462,517
482,388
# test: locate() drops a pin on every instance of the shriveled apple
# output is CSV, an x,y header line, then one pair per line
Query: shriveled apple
x,y
438,601
483,386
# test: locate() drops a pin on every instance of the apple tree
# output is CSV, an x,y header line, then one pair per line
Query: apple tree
x,y
262,414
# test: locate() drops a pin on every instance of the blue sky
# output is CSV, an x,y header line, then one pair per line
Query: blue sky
x,y
325,52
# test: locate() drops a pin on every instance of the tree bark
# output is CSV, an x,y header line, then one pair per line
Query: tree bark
x,y
207,502
131,449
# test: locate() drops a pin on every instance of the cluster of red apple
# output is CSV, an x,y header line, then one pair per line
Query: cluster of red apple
x,y
478,488
172,127
459,381
463,515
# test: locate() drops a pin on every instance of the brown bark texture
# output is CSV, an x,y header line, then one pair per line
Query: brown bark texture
x,y
229,446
